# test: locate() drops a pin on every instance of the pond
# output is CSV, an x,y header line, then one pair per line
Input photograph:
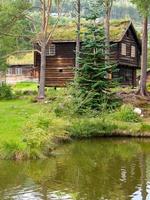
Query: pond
x,y
99,169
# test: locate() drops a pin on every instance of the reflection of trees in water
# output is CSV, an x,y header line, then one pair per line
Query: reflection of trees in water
x,y
92,169
143,175
12,175
99,167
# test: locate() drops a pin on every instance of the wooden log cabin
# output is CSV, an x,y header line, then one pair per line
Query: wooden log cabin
x,y
60,56
21,67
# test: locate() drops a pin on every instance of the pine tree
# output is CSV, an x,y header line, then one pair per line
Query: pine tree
x,y
92,79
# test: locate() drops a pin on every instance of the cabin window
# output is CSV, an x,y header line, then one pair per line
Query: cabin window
x,y
51,50
123,49
133,51
18,71
9,71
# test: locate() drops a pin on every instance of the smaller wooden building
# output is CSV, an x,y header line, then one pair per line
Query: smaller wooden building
x,y
21,67
60,56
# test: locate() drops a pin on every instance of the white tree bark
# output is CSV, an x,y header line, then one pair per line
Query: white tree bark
x,y
143,90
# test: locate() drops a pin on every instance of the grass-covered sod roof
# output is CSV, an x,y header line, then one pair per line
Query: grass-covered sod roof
x,y
21,58
68,32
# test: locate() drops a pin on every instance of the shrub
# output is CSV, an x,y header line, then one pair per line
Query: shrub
x,y
41,132
5,92
91,127
126,113
12,150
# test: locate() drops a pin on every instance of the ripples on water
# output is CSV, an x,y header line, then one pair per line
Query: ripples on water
x,y
110,169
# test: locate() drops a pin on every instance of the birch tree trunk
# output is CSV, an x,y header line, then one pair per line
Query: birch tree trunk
x,y
41,94
107,34
142,90
45,38
78,32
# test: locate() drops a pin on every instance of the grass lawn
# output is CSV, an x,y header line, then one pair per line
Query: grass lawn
x,y
58,123
25,86
13,115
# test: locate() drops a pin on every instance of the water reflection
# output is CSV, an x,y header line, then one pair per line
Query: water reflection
x,y
110,169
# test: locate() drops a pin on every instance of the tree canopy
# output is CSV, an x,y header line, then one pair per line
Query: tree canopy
x,y
14,27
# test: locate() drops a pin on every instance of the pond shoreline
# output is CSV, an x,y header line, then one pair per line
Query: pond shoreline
x,y
60,141
34,130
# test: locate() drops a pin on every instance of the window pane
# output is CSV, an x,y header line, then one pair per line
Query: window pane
x,y
18,71
133,51
123,49
51,50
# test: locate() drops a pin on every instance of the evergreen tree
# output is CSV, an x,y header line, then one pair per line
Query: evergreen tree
x,y
92,80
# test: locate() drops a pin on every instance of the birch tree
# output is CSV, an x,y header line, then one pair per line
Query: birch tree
x,y
144,9
107,12
78,23
44,38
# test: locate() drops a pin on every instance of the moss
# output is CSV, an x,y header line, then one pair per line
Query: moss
x,y
68,32
117,29
21,58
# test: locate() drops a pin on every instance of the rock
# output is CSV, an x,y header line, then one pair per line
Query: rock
x,y
138,111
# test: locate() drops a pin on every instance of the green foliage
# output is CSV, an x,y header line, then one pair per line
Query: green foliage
x,y
13,27
145,127
12,150
6,92
41,132
23,89
143,6
48,124
126,113
13,115
90,127
92,80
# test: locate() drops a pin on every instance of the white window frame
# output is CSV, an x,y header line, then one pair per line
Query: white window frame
x,y
18,71
51,50
133,51
123,49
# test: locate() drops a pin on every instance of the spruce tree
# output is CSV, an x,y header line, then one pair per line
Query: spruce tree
x,y
92,78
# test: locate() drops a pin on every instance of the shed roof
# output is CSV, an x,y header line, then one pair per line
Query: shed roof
x,y
68,33
21,58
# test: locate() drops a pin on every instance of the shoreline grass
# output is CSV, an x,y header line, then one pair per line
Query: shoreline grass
x,y
13,115
32,130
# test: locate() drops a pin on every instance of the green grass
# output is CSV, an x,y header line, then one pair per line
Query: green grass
x,y
22,86
57,122
13,115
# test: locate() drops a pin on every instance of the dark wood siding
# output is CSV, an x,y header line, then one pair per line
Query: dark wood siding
x,y
127,60
114,56
59,68
125,75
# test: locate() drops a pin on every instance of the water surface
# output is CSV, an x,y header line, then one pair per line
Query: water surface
x,y
102,169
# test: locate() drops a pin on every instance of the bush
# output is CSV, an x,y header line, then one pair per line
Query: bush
x,y
5,92
86,127
126,113
12,150
41,134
